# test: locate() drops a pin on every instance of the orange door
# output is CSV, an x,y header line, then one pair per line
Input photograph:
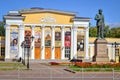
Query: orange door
x,y
57,53
37,53
47,52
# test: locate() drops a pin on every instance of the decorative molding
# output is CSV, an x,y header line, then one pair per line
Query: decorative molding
x,y
48,24
48,18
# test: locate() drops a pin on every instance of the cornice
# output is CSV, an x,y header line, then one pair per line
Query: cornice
x,y
13,17
23,11
81,19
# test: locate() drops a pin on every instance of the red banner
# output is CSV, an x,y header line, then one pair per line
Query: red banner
x,y
67,39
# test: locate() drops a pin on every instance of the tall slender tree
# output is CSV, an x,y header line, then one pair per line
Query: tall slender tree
x,y
2,30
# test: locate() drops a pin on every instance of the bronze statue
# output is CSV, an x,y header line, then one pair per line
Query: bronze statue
x,y
100,24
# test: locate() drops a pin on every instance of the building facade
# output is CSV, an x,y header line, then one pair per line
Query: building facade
x,y
58,35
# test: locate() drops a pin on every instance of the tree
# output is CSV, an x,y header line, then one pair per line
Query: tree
x,y
106,31
93,31
2,30
115,32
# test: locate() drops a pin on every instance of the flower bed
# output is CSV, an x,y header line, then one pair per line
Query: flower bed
x,y
60,63
54,63
116,66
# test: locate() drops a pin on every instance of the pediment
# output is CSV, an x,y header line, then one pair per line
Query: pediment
x,y
46,16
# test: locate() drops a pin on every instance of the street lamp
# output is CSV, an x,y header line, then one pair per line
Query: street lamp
x,y
27,44
28,39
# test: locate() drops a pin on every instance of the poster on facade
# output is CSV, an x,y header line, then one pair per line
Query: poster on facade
x,y
80,42
57,39
67,39
37,38
28,36
14,43
47,37
27,32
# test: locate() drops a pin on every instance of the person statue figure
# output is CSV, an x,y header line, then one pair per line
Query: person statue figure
x,y
100,24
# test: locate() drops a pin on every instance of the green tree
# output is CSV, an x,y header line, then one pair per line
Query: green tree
x,y
2,29
106,31
93,31
115,32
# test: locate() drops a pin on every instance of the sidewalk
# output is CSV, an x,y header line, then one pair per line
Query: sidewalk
x,y
42,71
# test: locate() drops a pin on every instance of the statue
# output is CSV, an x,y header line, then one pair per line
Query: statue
x,y
100,24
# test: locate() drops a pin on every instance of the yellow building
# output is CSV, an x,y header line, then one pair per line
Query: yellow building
x,y
58,35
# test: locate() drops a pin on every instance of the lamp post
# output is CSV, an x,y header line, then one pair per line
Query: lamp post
x,y
27,44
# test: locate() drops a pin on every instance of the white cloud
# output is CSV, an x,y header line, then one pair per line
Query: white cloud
x,y
115,24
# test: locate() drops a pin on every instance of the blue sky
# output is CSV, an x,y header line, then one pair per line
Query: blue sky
x,y
84,8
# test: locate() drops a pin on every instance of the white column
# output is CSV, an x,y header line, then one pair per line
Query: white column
x,y
113,53
7,41
43,44
53,43
74,42
62,40
32,44
91,51
109,52
20,39
71,55
86,39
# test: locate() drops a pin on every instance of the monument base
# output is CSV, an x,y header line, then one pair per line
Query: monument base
x,y
101,51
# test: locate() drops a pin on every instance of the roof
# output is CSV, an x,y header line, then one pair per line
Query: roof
x,y
81,19
37,9
13,15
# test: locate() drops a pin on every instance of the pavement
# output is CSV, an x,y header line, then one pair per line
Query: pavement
x,y
42,71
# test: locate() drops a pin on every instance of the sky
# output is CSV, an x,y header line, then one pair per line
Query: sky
x,y
83,8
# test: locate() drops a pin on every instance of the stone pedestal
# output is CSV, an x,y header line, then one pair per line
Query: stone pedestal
x,y
101,51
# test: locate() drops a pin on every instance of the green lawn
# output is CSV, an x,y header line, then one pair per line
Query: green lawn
x,y
80,69
11,66
95,67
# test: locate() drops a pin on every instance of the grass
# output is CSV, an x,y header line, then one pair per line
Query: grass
x,y
95,67
11,66
80,69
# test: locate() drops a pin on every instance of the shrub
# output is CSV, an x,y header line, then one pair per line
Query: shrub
x,y
54,63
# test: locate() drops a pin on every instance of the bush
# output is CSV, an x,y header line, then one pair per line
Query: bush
x,y
54,63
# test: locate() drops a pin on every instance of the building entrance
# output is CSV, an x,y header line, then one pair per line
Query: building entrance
x,y
67,52
57,53
80,47
37,53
